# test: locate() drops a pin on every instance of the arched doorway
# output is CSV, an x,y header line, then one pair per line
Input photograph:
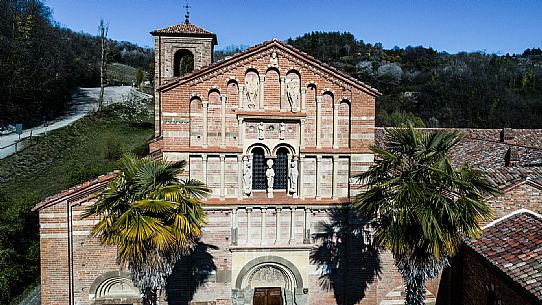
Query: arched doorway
x,y
270,279
259,180
183,62
281,169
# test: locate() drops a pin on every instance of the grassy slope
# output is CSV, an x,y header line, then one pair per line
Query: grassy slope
x,y
63,158
71,155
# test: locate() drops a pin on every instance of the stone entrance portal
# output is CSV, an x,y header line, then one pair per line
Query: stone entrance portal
x,y
269,280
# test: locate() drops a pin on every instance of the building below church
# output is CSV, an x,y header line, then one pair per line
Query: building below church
x,y
277,136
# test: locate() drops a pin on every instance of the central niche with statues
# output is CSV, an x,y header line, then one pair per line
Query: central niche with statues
x,y
270,163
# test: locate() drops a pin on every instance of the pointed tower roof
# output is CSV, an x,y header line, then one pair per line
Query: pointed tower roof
x,y
184,29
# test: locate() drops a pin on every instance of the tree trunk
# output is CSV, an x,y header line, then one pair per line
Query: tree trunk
x,y
415,273
103,35
149,297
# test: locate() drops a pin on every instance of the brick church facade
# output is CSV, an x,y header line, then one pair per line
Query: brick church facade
x,y
277,136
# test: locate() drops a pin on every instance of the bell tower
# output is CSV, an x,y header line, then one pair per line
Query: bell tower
x,y
179,49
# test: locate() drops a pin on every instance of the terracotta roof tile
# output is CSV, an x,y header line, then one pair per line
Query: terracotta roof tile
x,y
183,28
97,183
484,149
514,245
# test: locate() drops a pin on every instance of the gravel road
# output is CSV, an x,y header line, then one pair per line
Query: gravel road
x,y
84,100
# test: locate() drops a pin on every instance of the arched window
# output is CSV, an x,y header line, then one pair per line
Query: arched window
x,y
183,62
259,180
281,169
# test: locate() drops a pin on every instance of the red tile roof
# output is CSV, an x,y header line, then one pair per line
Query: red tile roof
x,y
514,245
183,28
83,189
485,149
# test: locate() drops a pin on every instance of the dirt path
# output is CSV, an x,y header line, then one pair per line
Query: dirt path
x,y
84,100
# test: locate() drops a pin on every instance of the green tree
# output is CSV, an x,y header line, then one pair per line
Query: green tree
x,y
152,217
421,206
139,77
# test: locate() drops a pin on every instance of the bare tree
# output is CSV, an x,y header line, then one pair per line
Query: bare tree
x,y
103,28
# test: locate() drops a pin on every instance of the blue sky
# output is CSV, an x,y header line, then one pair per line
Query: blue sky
x,y
495,26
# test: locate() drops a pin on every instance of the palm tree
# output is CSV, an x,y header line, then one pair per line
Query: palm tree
x,y
152,217
420,205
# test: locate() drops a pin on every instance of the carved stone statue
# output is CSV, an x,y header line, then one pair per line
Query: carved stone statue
x,y
252,86
247,176
282,131
270,174
294,174
292,90
274,61
261,135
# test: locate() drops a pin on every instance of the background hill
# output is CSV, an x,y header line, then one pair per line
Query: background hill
x,y
436,89
41,62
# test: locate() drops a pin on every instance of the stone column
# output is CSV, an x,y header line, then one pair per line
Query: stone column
x,y
241,96
301,186
261,93
249,211
222,167
240,177
277,225
318,175
205,123
303,99
291,239
223,99
318,121
283,98
307,227
204,159
302,133
336,126
262,231
234,227
335,174
241,134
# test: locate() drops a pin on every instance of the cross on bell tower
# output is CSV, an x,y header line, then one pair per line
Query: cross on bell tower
x,y
187,15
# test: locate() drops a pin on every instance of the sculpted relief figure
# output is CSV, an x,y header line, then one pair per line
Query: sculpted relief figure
x,y
294,174
252,85
274,61
247,177
282,131
260,131
292,90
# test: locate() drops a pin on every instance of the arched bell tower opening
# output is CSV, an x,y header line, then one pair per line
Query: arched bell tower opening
x,y
183,62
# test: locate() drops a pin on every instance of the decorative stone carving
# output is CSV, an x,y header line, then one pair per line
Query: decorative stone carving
x,y
270,174
293,175
247,176
261,135
274,60
282,131
252,88
293,93
268,276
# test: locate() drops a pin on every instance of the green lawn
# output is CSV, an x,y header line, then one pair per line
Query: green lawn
x,y
63,158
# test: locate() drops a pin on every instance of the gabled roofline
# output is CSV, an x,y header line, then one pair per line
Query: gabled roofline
x,y
516,212
83,189
508,187
285,47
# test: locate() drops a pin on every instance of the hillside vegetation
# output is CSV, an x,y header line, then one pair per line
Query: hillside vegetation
x,y
42,62
63,158
436,89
